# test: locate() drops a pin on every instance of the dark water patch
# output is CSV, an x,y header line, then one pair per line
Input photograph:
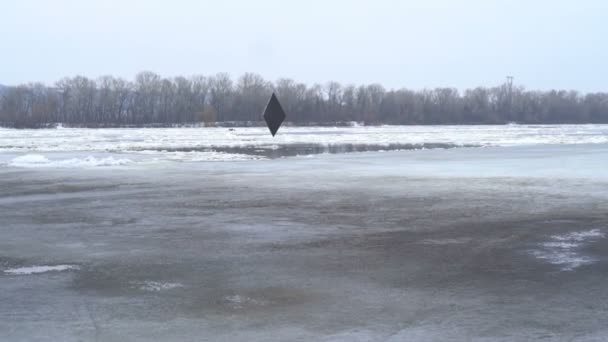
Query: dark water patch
x,y
292,150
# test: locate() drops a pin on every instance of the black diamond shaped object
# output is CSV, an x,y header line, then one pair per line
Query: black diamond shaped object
x,y
274,115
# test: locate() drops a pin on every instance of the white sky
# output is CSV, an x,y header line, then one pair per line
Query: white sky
x,y
415,44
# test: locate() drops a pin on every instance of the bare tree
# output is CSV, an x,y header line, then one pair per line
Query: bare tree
x,y
150,99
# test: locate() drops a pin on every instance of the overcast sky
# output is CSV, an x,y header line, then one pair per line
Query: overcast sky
x,y
415,44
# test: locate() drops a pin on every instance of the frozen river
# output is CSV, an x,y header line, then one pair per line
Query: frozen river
x,y
210,234
150,145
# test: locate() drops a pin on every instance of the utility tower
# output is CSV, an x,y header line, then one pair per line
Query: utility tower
x,y
509,85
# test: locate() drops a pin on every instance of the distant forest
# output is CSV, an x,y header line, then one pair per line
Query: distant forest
x,y
153,100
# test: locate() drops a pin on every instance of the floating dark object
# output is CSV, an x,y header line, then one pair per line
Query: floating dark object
x,y
274,115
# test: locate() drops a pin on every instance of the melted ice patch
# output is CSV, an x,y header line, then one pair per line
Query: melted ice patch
x,y
156,286
565,250
37,160
39,269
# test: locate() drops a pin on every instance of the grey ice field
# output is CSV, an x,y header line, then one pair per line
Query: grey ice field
x,y
477,233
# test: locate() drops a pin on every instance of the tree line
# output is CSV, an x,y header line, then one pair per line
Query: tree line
x,y
150,99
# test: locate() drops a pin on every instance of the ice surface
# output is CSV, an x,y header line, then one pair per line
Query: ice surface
x,y
565,250
195,156
240,302
129,139
39,269
342,247
155,286
34,148
580,236
37,160
30,159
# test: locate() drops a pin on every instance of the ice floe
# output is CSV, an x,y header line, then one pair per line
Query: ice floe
x,y
40,161
197,156
39,269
